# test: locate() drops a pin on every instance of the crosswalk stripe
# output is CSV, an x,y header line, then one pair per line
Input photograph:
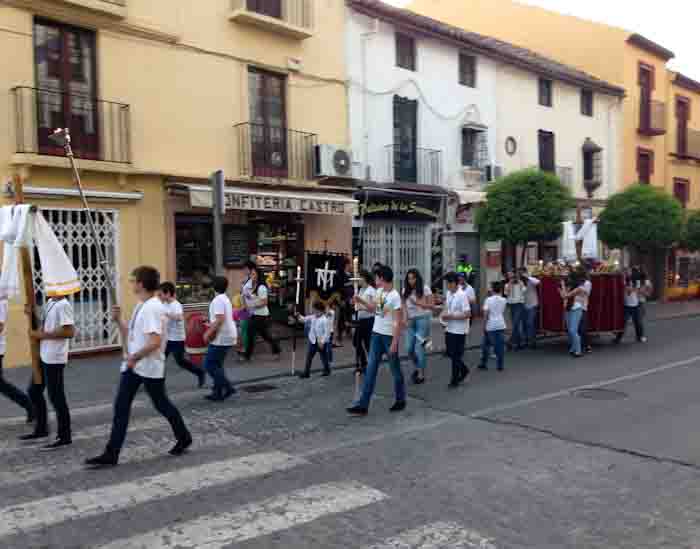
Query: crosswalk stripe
x,y
437,535
257,519
17,519
33,472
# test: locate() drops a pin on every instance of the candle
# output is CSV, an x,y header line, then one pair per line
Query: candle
x,y
296,301
355,267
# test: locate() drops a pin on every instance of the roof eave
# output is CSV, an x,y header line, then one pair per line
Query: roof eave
x,y
650,46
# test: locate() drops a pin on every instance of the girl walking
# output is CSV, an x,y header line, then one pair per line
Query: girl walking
x,y
257,302
418,309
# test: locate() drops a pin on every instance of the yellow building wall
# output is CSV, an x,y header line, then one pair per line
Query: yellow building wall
x,y
683,169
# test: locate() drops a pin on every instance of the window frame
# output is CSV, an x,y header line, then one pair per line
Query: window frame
x,y
404,38
642,152
545,85
682,124
681,183
468,78
541,134
587,102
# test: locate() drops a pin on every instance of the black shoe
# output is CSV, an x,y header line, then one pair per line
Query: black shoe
x,y
30,415
202,379
500,369
181,446
398,406
453,384
58,444
214,397
35,436
419,380
464,374
589,350
228,393
305,375
357,411
482,367
104,460
326,373
414,376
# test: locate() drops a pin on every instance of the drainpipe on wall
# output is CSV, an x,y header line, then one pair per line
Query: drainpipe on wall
x,y
365,37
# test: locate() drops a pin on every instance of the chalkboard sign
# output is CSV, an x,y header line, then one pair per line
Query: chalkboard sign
x,y
235,245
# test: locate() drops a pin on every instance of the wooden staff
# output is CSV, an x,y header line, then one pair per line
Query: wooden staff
x,y
29,295
358,344
298,280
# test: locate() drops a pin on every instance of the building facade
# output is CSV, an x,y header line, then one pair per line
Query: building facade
x,y
458,110
158,95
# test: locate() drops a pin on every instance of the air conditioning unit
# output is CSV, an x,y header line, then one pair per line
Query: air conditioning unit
x,y
332,161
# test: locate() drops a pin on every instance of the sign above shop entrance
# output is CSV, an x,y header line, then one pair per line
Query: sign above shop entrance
x,y
401,208
275,201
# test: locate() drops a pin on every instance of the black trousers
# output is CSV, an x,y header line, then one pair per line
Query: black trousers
x,y
260,325
129,385
177,349
311,351
12,392
455,351
53,381
583,331
635,314
361,340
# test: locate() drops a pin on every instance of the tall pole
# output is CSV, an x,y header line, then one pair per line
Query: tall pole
x,y
219,207
29,296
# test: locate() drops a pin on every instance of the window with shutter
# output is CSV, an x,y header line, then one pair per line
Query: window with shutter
x,y
645,165
681,190
546,150
405,52
545,89
587,102
682,117
405,139
467,70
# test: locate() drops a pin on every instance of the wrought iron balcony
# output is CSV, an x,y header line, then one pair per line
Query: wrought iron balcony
x,y
266,151
100,130
293,18
652,118
414,165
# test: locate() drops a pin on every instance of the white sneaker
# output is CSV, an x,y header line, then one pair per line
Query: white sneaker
x,y
643,340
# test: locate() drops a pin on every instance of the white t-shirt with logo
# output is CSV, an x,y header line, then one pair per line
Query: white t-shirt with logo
x,y
57,313
3,321
388,306
367,294
495,306
176,328
260,293
412,309
227,334
457,303
147,319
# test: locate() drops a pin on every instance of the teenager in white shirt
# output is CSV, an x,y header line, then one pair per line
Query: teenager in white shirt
x,y
318,335
418,310
57,329
175,316
456,318
386,334
515,293
574,297
221,335
634,288
257,303
494,327
6,388
532,306
143,365
587,287
363,332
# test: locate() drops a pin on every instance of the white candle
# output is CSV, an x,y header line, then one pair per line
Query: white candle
x,y
355,267
296,301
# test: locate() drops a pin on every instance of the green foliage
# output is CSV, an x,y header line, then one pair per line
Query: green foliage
x,y
692,232
525,206
642,217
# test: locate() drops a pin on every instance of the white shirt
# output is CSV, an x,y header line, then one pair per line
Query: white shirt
x,y
516,292
495,306
457,303
57,313
176,328
647,287
227,334
3,321
147,319
531,297
588,289
367,294
251,300
412,309
471,294
318,329
632,299
330,316
388,306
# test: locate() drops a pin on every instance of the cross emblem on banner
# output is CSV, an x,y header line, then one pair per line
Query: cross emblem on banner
x,y
325,277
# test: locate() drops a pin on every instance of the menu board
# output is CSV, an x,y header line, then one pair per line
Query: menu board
x,y
236,241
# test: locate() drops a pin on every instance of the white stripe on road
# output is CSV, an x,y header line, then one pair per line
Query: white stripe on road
x,y
71,463
17,519
257,519
437,536
564,392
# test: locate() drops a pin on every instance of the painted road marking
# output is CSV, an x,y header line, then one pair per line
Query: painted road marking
x,y
439,535
257,519
17,519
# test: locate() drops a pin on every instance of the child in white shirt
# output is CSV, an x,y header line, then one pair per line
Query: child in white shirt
x,y
318,333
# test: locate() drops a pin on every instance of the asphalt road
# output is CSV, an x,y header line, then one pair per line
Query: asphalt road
x,y
554,452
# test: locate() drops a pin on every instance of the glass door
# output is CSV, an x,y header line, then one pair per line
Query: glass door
x,y
268,124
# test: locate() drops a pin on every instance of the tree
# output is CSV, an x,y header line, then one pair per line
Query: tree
x,y
692,232
523,207
641,217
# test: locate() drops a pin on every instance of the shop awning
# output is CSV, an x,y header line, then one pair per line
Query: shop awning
x,y
275,201
471,197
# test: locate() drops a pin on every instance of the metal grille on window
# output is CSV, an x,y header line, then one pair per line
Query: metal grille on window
x,y
94,327
400,246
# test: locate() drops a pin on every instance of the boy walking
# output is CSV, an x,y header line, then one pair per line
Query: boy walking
x,y
318,337
175,345
456,317
144,365
494,327
221,335
385,340
57,329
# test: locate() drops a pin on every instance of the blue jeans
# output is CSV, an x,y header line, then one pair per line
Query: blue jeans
x,y
311,351
496,340
573,320
379,346
214,365
517,312
531,317
328,349
418,327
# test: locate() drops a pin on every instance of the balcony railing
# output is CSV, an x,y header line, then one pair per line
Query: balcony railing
x,y
294,18
652,118
272,152
100,130
408,165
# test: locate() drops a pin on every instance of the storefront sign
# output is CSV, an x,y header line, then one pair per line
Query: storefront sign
x,y
400,208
